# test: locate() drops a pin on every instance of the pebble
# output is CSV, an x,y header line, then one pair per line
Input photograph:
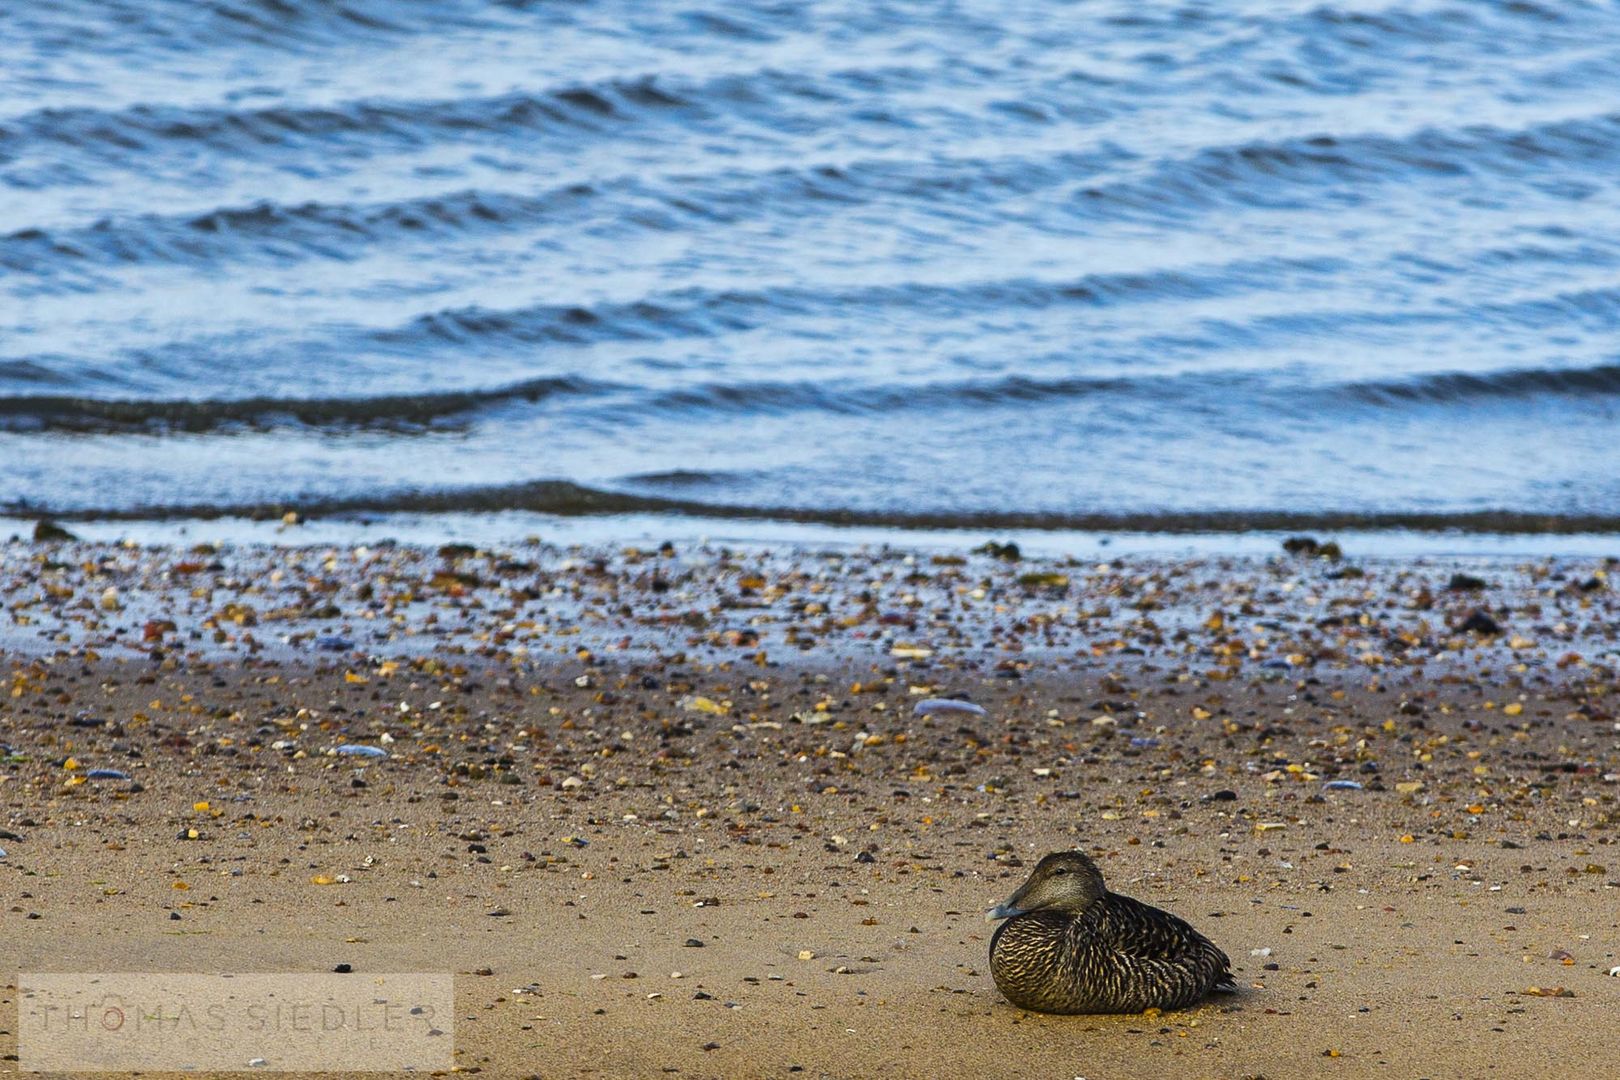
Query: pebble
x,y
947,705
105,774
357,750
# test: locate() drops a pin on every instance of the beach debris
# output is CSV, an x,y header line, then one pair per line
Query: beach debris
x,y
1005,552
360,750
47,531
1614,972
3,855
1480,622
1310,547
947,705
1044,580
106,774
903,651
698,703
1549,991
806,954
1260,952
1342,785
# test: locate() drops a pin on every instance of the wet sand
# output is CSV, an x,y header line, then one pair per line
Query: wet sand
x,y
598,758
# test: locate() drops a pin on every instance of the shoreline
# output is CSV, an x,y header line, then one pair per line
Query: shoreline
x,y
514,528
692,726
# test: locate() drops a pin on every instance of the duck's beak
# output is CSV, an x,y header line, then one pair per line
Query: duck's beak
x,y
1010,908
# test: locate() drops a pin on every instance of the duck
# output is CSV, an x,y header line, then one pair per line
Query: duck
x,y
1068,945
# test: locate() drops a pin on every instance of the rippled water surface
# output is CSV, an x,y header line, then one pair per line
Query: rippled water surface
x,y
1038,262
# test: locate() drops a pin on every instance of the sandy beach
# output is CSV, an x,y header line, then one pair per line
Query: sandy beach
x,y
677,812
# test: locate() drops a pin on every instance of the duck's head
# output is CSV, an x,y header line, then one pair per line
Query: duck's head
x,y
1064,881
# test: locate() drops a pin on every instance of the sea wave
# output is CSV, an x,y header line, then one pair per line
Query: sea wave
x,y
1242,390
564,498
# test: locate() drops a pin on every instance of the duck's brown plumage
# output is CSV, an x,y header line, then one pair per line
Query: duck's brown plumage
x,y
1068,945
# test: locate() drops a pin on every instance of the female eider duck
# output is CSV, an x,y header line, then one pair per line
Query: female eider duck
x,y
1071,946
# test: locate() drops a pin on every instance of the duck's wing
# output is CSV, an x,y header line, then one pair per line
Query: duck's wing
x,y
1147,935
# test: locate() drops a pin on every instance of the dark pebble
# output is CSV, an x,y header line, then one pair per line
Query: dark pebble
x,y
1478,622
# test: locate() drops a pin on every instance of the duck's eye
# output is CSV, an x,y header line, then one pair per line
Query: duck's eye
x,y
1061,870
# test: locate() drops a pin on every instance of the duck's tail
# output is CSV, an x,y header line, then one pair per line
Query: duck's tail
x,y
1225,983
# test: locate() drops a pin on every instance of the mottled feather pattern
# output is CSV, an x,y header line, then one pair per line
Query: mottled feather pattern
x,y
1117,955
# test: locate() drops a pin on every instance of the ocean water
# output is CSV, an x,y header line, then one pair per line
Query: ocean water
x,y
1026,263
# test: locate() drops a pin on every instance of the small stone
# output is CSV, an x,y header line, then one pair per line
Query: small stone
x,y
1480,622
49,532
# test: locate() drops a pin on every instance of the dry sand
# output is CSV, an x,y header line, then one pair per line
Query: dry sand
x,y
600,758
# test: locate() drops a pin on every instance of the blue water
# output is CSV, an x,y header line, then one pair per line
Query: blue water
x,y
1031,263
